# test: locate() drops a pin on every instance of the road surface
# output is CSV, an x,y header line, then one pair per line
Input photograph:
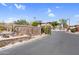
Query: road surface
x,y
58,43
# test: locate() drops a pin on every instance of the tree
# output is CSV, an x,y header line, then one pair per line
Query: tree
x,y
63,23
36,23
54,24
21,22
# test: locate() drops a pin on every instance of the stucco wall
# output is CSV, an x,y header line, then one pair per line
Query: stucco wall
x,y
28,30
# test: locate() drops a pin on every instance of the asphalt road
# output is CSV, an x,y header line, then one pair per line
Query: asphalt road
x,y
58,43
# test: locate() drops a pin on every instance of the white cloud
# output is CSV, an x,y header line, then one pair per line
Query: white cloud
x,y
4,4
19,6
51,15
76,15
10,20
49,10
57,7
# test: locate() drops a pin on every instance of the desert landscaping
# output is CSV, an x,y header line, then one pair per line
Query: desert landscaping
x,y
21,30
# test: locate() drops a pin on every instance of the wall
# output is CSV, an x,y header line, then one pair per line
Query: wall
x,y
28,30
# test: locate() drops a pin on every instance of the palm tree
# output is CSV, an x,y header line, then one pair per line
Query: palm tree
x,y
63,23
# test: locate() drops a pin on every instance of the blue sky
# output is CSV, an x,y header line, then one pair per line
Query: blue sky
x,y
42,11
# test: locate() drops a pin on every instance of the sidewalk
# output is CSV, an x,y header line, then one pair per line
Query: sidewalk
x,y
20,43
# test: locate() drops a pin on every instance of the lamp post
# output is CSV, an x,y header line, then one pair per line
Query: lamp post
x,y
69,24
68,20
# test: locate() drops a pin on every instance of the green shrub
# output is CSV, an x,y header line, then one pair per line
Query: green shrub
x,y
35,23
46,29
73,30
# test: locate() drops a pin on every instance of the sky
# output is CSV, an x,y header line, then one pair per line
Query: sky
x,y
46,12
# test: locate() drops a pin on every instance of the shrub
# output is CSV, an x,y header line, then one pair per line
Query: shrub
x,y
46,29
36,23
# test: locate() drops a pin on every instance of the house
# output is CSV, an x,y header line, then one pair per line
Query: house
x,y
74,26
77,27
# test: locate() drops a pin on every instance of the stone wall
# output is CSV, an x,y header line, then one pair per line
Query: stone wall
x,y
28,30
